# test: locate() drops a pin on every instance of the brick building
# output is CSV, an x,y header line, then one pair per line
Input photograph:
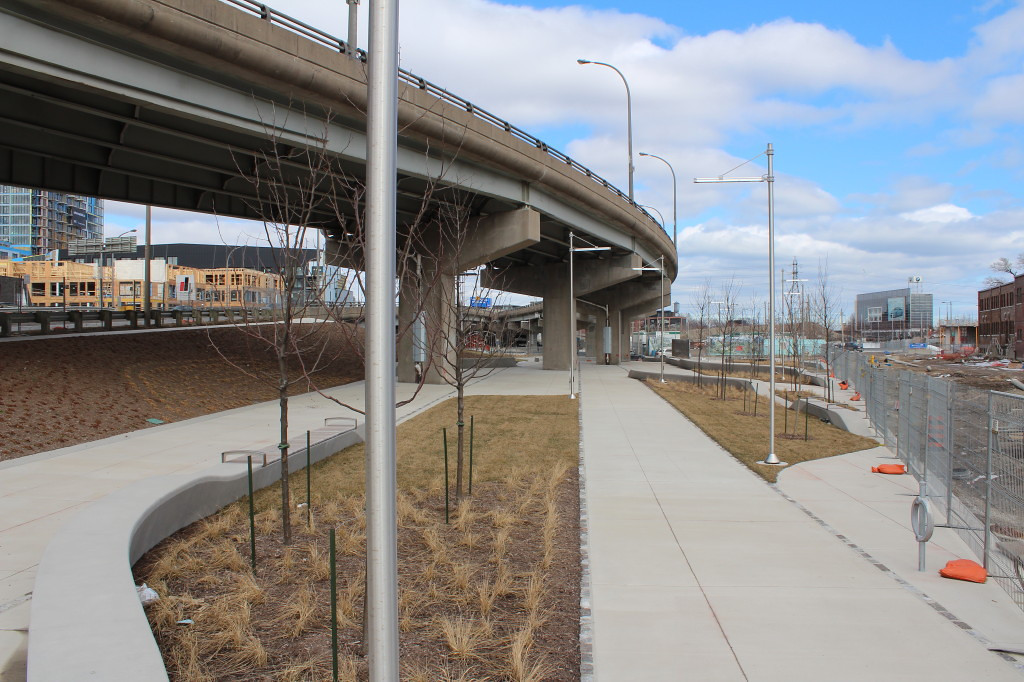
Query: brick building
x,y
999,320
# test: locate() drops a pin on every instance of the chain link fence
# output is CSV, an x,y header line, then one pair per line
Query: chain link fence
x,y
966,447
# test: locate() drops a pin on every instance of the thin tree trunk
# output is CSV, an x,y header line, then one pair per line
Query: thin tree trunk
x,y
461,425
282,393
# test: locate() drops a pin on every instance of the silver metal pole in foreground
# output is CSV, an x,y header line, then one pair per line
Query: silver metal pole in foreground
x,y
381,185
770,179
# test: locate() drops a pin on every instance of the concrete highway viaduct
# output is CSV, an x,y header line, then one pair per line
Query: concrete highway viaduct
x,y
181,103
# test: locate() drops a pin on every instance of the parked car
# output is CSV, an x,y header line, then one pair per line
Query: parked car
x,y
852,345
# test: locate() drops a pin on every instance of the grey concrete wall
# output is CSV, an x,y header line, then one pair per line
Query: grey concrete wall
x,y
87,621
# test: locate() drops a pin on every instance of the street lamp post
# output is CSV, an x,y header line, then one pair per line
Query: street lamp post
x,y
147,302
629,118
573,355
353,27
674,214
771,459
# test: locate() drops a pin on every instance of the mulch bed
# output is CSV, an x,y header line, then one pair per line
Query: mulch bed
x,y
59,391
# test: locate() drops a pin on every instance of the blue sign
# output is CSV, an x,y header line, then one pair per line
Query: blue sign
x,y
479,302
919,345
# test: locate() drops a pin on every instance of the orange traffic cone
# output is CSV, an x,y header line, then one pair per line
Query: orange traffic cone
x,y
843,385
856,396
831,375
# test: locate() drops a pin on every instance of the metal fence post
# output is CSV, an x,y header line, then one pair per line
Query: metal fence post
x,y
988,484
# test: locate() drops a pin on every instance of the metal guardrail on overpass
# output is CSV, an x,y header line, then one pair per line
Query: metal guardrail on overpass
x,y
266,12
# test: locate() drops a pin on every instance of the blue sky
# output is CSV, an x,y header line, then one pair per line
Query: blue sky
x,y
897,126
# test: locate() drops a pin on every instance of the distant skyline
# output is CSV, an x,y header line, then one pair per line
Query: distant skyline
x,y
897,126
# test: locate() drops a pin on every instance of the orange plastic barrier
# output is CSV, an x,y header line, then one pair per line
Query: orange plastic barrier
x,y
844,385
856,396
889,469
964,569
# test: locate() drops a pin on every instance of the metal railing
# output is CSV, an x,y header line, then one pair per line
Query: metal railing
x,y
965,445
271,15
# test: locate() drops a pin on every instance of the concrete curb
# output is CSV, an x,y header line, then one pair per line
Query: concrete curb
x,y
690,379
85,605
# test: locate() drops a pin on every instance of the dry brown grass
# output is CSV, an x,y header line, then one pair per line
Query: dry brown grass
x,y
745,436
476,595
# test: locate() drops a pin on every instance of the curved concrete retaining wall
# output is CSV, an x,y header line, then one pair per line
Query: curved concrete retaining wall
x,y
833,415
709,364
87,621
690,379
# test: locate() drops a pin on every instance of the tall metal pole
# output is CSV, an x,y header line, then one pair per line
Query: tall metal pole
x,y
572,322
381,185
770,179
147,254
100,270
675,221
771,458
661,313
353,27
629,119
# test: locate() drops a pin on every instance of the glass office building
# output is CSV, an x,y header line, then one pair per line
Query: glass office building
x,y
894,314
36,222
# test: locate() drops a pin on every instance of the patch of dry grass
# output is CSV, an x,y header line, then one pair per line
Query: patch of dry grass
x,y
483,597
746,436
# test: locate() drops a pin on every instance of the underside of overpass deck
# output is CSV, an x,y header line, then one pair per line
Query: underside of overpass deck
x,y
196,105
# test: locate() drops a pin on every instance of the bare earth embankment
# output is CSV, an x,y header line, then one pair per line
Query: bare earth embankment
x,y
56,392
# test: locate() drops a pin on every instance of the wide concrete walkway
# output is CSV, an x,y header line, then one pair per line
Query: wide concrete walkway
x,y
702,571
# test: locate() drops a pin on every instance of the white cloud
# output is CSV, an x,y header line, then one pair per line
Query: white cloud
x,y
942,213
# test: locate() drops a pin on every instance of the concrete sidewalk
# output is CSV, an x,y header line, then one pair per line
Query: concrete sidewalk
x,y
701,570
40,493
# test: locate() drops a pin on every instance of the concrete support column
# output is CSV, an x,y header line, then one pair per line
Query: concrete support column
x,y
557,339
616,352
593,347
439,317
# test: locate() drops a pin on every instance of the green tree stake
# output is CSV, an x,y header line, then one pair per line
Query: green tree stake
x,y
252,519
309,501
470,454
755,400
444,434
785,415
744,399
805,417
334,612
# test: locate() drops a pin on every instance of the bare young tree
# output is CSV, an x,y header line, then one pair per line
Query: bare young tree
x,y
289,185
299,192
462,332
702,302
728,295
827,315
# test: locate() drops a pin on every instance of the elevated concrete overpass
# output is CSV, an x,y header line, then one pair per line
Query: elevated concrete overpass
x,y
184,103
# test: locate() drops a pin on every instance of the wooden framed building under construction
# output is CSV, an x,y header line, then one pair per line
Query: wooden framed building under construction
x,y
68,284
